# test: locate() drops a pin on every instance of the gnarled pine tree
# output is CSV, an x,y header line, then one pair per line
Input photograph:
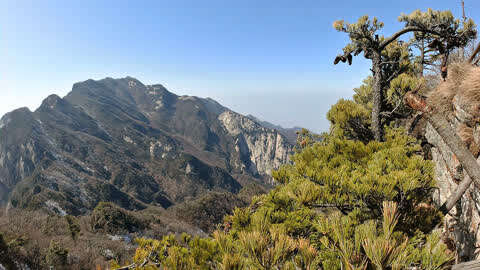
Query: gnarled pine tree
x,y
364,38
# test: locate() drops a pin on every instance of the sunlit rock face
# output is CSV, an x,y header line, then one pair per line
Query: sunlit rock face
x,y
261,149
462,225
136,145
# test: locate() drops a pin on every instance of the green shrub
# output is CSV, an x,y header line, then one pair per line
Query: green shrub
x,y
109,218
56,255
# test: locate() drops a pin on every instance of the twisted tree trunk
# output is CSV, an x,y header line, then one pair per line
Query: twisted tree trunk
x,y
422,57
445,130
377,96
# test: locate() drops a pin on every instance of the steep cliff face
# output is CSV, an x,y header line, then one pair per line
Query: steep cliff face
x,y
289,133
462,224
132,144
261,149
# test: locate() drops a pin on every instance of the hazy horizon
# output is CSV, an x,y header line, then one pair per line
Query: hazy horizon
x,y
271,59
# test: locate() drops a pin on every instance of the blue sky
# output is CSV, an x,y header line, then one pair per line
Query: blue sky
x,y
269,58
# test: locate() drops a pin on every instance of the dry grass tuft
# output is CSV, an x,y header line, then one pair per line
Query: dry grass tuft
x,y
470,90
442,97
458,72
464,80
466,134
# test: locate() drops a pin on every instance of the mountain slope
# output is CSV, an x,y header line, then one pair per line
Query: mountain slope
x,y
135,145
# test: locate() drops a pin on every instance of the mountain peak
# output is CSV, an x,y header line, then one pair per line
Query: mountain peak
x,y
7,118
17,114
51,101
109,82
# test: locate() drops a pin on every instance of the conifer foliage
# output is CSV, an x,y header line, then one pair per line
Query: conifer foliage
x,y
347,200
341,204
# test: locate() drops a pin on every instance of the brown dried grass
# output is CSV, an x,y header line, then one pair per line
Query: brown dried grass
x,y
38,229
470,90
466,134
463,80
441,98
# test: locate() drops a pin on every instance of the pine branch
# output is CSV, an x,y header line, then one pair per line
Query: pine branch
x,y
390,62
415,121
142,265
401,32
345,208
393,76
386,114
332,205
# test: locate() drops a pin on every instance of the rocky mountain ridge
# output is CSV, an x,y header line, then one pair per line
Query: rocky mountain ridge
x,y
135,145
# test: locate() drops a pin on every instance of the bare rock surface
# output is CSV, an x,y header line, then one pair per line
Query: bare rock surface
x,y
462,224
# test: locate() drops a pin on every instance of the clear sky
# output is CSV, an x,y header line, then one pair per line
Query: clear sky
x,y
269,58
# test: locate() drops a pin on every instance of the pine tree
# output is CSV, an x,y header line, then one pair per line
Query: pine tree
x,y
364,38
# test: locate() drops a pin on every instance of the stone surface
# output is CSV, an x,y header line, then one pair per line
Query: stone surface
x,y
462,224
261,149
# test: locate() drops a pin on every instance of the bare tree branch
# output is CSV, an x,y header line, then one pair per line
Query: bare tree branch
x,y
474,54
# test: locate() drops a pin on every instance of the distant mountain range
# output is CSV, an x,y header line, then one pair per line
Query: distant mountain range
x,y
136,145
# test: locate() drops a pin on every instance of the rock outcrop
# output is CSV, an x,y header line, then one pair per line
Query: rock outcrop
x,y
261,149
461,106
289,133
